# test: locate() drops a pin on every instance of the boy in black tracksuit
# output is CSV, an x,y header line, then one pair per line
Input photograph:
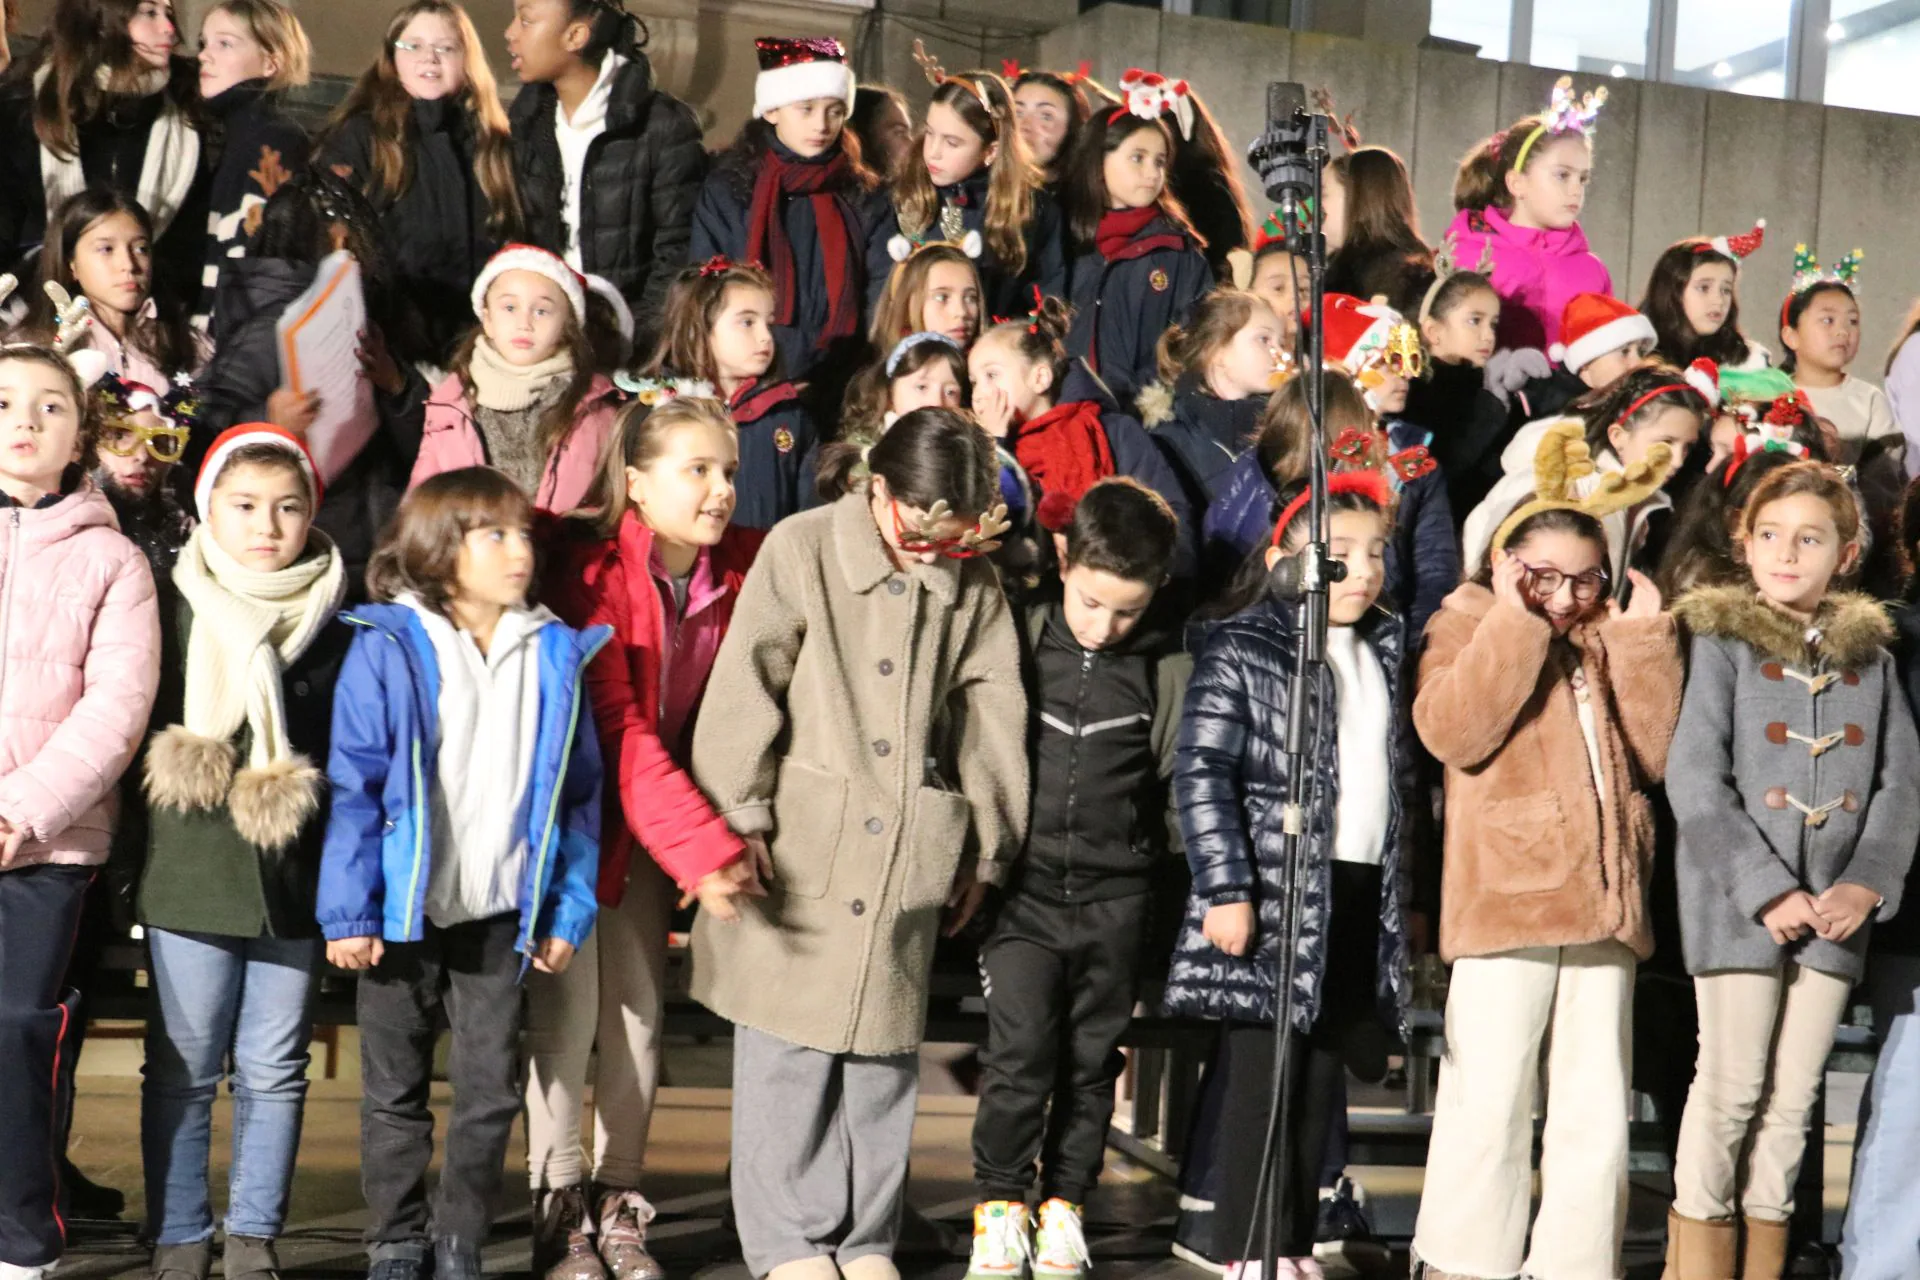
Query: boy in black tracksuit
x,y
1060,962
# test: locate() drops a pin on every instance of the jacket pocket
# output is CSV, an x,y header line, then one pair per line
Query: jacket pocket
x,y
808,805
936,836
1521,845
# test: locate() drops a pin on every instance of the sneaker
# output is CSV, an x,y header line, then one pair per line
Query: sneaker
x,y
403,1267
1283,1269
1001,1244
1343,1239
563,1236
1060,1244
8,1271
624,1218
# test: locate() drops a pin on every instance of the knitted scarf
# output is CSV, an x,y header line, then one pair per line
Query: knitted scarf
x,y
511,387
248,627
1118,227
768,245
1065,451
167,172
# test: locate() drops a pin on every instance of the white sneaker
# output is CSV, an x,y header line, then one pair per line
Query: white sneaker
x,y
1060,1244
1283,1269
1002,1244
10,1272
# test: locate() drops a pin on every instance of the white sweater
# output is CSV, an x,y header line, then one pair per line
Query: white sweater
x,y
1366,719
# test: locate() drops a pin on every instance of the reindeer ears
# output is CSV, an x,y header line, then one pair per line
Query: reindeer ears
x,y
1562,461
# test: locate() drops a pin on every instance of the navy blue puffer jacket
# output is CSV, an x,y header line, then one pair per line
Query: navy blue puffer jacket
x,y
1229,780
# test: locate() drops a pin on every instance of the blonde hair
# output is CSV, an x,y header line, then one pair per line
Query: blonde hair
x,y
1185,350
639,436
984,105
276,29
903,303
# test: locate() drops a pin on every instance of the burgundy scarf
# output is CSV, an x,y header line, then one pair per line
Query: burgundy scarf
x,y
1118,227
1066,452
768,245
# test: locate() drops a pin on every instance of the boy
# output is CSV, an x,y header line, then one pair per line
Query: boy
x,y
1600,339
1060,962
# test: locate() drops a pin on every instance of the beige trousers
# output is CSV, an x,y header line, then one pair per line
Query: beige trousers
x,y
1764,1040
615,990
1479,1182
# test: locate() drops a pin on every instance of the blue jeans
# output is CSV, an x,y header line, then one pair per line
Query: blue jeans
x,y
215,997
1882,1237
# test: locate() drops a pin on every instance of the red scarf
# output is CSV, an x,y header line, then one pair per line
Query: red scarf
x,y
1065,451
768,245
1118,227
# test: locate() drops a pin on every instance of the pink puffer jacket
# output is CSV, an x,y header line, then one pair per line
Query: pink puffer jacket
x,y
450,440
79,663
1536,273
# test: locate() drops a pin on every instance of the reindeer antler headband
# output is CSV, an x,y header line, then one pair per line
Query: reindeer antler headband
x,y
1560,464
1564,115
937,76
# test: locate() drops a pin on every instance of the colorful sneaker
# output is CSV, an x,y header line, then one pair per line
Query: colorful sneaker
x,y
1001,1243
624,1218
1060,1243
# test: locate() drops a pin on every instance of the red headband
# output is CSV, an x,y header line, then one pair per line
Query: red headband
x,y
1658,391
1369,484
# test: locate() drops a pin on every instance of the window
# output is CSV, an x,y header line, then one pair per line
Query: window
x,y
1872,48
1737,45
1485,23
1608,39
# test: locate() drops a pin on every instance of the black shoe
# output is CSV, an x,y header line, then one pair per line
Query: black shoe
x,y
404,1267
86,1198
455,1260
1343,1239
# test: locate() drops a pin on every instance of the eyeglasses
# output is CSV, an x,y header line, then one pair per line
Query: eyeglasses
x,y
162,443
1587,587
440,51
918,543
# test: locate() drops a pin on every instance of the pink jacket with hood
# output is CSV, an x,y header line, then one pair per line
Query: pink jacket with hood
x,y
79,664
450,440
1536,273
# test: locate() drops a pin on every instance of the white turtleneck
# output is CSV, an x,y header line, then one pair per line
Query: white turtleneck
x,y
1365,723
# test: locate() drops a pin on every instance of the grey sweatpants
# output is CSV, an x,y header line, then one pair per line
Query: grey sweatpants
x,y
820,1144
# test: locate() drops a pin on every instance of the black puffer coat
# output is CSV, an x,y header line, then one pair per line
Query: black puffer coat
x,y
637,193
1229,780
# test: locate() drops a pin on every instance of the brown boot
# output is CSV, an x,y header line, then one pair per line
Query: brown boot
x,y
624,1217
1698,1250
563,1236
1766,1250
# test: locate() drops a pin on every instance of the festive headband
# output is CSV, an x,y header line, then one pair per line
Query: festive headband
x,y
73,317
1365,448
1368,483
982,538
1445,266
1702,378
953,234
937,76
1560,466
1274,229
913,340
1150,95
8,283
1343,127
1752,445
121,399
1807,272
654,392
1032,317
1564,115
1736,247
1011,70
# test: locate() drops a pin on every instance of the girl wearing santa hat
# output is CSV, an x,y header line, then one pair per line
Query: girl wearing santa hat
x,y
1693,301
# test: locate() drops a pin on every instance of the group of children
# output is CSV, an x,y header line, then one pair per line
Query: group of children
x,y
864,537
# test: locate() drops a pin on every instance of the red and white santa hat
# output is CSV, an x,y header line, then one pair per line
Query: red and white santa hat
x,y
526,257
1592,325
1356,331
240,437
799,69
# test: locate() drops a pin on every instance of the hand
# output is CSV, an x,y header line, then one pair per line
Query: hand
x,y
378,362
1847,907
553,955
716,891
1646,598
969,891
1509,577
293,410
15,839
1229,927
1792,916
758,859
355,953
994,410
1514,368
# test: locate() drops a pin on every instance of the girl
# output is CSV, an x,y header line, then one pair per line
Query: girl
x,y
1694,303
1348,963
1652,406
79,650
869,746
1470,425
423,135
462,847
251,53
934,289
143,435
1204,177
654,558
1216,372
1521,191
1373,232
719,329
922,371
107,104
1050,109
1279,279
976,175
794,193
1793,840
236,813
523,395
1820,328
1704,551
884,125
101,248
1139,270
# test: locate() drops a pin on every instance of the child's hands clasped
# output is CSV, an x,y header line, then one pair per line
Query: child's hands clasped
x,y
1229,927
717,890
1793,916
1846,907
355,953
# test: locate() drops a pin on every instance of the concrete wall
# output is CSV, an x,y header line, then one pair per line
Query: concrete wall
x,y
1669,161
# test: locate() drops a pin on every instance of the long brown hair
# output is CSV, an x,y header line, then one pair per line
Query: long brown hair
x,y
163,337
1084,186
981,100
419,552
1481,183
639,436
1665,305
1380,212
694,302
557,423
903,303
1285,438
84,36
379,95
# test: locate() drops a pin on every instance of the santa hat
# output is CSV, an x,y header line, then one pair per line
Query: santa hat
x,y
525,257
252,433
798,70
1356,331
1738,247
1594,324
602,288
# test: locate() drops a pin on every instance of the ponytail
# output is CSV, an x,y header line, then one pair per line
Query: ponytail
x,y
1040,337
1184,351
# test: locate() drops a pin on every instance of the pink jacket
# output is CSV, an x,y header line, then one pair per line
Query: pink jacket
x,y
79,663
450,440
1536,273
133,364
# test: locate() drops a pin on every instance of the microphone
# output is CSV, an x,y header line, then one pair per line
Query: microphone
x,y
1287,579
1280,154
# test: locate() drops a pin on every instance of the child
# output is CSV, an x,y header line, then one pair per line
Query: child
x,y
1348,963
608,164
795,195
1694,304
1552,710
100,248
1373,235
921,371
1820,328
883,124
1138,270
236,814
1704,549
869,745
1216,372
1279,279
251,53
1793,840
1051,111
423,135
1521,192
523,395
462,847
720,329
1469,424
1204,176
1061,961
976,175
143,436
1601,338
80,652
652,557
934,289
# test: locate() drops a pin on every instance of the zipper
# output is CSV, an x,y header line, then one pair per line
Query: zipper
x,y
553,801
423,803
1073,770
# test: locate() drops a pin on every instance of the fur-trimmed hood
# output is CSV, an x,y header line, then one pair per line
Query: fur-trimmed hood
x,y
1848,631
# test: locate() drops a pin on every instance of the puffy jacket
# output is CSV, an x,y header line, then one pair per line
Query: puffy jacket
x,y
1121,307
79,663
1201,435
637,193
1230,782
1470,427
1136,456
1536,273
449,440
374,870
1002,292
651,799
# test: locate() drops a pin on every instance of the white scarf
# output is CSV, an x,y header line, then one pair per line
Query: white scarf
x,y
509,388
166,173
